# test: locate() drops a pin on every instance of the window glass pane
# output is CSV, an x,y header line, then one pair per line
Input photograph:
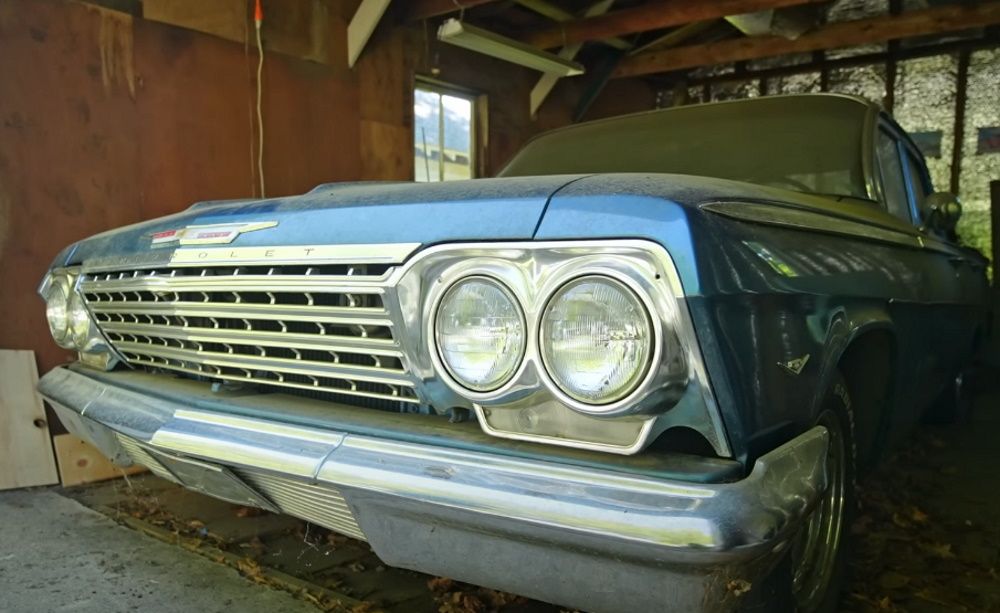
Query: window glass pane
x,y
457,137
442,136
892,177
916,179
426,131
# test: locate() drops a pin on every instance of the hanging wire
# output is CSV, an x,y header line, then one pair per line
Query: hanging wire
x,y
258,19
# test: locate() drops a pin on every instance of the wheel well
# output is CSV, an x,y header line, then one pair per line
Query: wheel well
x,y
867,367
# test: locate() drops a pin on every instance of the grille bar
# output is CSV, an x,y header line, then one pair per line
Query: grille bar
x,y
316,342
332,315
252,363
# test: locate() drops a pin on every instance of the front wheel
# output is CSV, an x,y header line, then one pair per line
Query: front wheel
x,y
810,578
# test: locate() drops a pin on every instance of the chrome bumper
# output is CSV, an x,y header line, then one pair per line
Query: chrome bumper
x,y
596,540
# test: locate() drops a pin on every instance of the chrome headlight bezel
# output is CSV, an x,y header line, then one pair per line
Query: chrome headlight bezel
x,y
613,401
533,273
80,332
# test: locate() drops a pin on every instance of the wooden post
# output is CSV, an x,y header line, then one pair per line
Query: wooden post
x,y
819,57
889,103
995,229
960,95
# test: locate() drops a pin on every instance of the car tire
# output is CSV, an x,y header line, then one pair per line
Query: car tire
x,y
809,578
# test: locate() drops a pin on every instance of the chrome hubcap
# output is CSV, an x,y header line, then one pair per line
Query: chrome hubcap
x,y
814,551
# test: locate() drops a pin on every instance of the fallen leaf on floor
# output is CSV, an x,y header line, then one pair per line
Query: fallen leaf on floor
x,y
942,550
738,587
440,584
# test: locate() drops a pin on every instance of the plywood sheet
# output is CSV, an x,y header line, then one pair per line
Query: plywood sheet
x,y
80,462
25,451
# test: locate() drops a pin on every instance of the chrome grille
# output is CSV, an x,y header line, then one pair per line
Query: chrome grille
x,y
141,456
321,505
322,328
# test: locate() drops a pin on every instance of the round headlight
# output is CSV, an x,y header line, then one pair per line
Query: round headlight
x,y
79,321
56,311
480,333
596,340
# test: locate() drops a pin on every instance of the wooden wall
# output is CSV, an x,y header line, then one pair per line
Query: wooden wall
x,y
106,120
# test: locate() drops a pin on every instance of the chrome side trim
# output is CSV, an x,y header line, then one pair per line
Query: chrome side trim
x,y
776,214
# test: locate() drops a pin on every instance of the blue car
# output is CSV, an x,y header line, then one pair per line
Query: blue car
x,y
640,370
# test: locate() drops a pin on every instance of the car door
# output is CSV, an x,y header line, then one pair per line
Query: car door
x,y
931,331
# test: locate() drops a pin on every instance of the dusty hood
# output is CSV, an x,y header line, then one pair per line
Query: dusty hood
x,y
346,213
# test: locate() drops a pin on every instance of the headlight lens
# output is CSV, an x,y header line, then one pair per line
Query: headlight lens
x,y
56,311
79,322
596,340
480,333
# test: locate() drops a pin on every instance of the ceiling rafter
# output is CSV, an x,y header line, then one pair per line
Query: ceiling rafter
x,y
555,13
852,61
646,17
831,36
416,10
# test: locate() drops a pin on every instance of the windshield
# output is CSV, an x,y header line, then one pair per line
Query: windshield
x,y
804,143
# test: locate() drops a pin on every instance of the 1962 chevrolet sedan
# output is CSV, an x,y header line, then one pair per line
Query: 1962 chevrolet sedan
x,y
639,371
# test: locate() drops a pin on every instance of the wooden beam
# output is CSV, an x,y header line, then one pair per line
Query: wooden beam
x,y
675,36
831,36
954,46
362,26
425,9
547,81
561,15
650,16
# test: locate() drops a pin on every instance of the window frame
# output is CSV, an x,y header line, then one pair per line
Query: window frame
x,y
886,130
477,126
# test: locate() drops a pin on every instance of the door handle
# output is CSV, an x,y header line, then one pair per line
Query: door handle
x,y
956,260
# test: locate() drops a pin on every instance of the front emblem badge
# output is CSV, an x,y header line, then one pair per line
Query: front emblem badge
x,y
795,366
210,234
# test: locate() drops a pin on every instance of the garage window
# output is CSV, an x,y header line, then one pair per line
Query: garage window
x,y
443,134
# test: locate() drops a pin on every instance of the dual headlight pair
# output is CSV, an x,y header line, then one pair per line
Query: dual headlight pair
x,y
69,321
595,337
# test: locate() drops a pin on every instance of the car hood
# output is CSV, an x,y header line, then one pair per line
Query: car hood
x,y
355,213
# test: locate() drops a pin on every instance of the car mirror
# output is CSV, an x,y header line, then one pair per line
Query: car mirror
x,y
940,212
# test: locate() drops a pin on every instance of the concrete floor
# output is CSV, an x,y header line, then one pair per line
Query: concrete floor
x,y
57,555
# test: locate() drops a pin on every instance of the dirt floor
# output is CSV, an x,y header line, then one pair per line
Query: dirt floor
x,y
927,537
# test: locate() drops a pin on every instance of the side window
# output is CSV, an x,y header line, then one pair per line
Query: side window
x,y
893,180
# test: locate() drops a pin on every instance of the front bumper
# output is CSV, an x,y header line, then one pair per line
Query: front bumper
x,y
597,540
